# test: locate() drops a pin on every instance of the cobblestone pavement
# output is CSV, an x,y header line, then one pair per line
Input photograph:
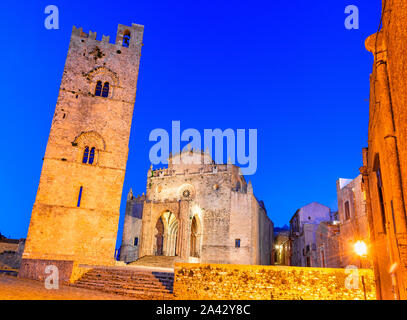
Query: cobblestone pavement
x,y
12,288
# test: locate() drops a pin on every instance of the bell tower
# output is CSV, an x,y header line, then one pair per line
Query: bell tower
x,y
76,211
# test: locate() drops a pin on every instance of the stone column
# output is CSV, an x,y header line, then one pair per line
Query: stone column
x,y
147,232
184,230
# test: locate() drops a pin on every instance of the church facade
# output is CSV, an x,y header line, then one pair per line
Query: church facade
x,y
197,211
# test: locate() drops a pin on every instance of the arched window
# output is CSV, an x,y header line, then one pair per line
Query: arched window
x,y
92,155
105,91
89,155
347,210
85,155
126,39
98,90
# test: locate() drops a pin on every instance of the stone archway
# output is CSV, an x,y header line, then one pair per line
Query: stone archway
x,y
195,238
166,235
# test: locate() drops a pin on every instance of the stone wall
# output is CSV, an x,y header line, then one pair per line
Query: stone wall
x,y
356,226
243,282
34,269
11,252
385,160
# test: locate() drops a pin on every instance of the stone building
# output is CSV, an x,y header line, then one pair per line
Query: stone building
x,y
197,211
354,225
303,226
385,160
11,251
76,211
327,241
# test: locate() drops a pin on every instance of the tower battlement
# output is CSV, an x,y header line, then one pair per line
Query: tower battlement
x,y
130,37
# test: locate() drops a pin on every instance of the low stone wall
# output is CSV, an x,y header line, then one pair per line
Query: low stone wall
x,y
244,282
35,269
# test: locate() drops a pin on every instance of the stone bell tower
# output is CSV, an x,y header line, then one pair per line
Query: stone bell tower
x,y
76,212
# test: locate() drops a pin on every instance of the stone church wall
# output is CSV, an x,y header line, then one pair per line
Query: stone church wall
x,y
220,199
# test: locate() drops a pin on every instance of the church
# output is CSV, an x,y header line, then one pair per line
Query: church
x,y
192,212
197,211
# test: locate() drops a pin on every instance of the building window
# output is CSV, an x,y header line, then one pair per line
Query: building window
x,y
381,199
126,39
105,91
89,156
135,241
85,155
98,90
237,243
79,197
347,210
92,155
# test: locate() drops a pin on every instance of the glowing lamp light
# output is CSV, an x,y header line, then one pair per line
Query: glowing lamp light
x,y
360,248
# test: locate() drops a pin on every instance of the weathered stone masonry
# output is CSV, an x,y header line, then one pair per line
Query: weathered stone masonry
x,y
76,211
238,282
198,211
385,160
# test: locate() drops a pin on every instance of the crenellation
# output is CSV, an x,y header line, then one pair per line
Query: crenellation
x,y
92,35
105,39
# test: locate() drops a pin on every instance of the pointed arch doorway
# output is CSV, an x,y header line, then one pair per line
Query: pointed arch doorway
x,y
195,238
166,235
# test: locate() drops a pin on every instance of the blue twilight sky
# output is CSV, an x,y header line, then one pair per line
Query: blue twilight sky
x,y
287,68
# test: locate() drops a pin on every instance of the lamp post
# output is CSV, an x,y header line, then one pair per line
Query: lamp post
x,y
360,248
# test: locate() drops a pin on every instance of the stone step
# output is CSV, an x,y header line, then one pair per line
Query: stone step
x,y
132,271
129,282
121,285
167,285
140,291
129,278
122,279
155,261
129,292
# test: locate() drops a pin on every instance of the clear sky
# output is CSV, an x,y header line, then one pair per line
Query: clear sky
x,y
289,69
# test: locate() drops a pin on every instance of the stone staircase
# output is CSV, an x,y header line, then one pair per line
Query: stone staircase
x,y
155,261
133,282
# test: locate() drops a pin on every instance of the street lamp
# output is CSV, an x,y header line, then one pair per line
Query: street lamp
x,y
360,248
